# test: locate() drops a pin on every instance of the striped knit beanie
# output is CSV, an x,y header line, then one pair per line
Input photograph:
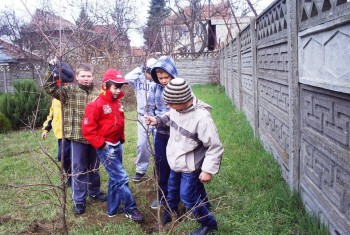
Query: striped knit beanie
x,y
177,92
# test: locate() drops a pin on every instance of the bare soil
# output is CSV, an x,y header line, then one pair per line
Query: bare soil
x,y
98,219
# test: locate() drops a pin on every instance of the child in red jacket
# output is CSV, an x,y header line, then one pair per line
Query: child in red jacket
x,y
103,127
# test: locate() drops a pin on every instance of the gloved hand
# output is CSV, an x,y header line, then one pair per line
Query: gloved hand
x,y
67,72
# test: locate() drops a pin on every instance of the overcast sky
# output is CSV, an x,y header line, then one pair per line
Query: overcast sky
x,y
66,7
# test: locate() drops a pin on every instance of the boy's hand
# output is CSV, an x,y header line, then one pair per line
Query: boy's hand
x,y
44,135
205,177
53,61
150,120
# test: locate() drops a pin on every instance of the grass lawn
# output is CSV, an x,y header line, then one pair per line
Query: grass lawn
x,y
248,195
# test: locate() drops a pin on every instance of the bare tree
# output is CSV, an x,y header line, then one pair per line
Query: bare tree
x,y
186,28
102,32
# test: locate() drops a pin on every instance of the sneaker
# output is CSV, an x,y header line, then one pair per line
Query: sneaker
x,y
203,230
79,209
99,197
134,215
154,205
138,177
119,211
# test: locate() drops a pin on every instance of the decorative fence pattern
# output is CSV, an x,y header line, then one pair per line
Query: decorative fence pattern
x,y
195,68
21,70
289,72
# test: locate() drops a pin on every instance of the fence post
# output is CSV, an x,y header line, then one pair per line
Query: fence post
x,y
239,105
293,86
254,77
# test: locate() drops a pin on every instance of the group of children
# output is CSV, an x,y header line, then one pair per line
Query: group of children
x,y
187,147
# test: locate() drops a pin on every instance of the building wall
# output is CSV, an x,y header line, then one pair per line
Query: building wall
x,y
19,70
292,79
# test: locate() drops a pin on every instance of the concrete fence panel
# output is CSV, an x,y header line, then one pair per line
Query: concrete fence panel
x,y
291,77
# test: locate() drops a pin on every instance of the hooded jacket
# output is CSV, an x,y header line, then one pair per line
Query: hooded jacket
x,y
104,120
54,119
167,64
194,143
155,102
137,80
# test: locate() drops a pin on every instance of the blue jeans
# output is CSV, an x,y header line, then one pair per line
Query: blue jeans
x,y
188,188
162,166
118,189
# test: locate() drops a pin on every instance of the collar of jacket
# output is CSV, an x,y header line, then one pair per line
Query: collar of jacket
x,y
88,89
107,95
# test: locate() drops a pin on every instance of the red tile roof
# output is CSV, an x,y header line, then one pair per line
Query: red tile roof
x,y
10,52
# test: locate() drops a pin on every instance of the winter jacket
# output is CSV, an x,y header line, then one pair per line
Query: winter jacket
x,y
155,102
74,98
137,80
194,142
104,120
54,119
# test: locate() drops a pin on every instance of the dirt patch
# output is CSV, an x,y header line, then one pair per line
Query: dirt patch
x,y
144,193
5,219
43,228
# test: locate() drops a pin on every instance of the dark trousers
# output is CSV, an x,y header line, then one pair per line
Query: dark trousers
x,y
188,188
162,166
85,170
67,160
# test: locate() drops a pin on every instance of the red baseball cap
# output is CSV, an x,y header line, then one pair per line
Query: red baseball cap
x,y
114,76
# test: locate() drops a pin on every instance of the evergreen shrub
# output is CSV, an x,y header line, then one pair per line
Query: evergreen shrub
x,y
5,124
27,106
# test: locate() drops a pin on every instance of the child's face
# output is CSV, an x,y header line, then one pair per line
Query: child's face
x,y
116,89
178,107
84,78
164,78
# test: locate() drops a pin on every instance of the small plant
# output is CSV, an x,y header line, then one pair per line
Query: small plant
x,y
5,124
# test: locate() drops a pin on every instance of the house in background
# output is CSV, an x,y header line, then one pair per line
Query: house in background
x,y
44,34
47,34
16,64
106,40
220,27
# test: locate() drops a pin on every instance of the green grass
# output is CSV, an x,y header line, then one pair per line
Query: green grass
x,y
248,195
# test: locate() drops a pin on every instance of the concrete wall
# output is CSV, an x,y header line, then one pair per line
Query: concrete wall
x,y
198,69
289,72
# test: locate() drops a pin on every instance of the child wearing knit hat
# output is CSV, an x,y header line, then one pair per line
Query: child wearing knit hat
x,y
194,153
